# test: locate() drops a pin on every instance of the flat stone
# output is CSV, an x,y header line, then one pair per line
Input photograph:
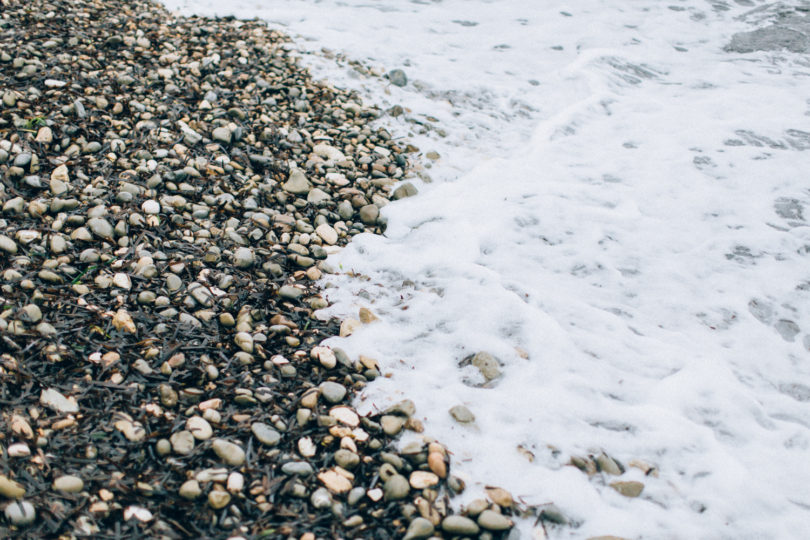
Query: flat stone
x,y
289,292
460,525
321,498
346,458
150,207
346,416
31,313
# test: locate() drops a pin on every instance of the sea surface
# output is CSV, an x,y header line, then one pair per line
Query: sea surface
x,y
618,213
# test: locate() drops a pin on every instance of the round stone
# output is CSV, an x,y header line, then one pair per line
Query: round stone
x,y
230,453
494,521
190,489
460,525
396,487
182,442
20,513
418,529
68,484
243,258
332,392
265,434
199,428
151,207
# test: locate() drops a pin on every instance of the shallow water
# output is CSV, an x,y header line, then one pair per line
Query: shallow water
x,y
619,215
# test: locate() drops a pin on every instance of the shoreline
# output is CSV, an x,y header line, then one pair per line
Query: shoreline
x,y
161,368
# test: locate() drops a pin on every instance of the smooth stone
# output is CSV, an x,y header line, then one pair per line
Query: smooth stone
x,y
7,244
218,499
290,293
151,207
230,453
297,184
321,498
101,227
199,427
391,424
190,489
222,135
243,257
487,365
56,401
405,190
423,479
494,521
31,313
460,525
332,392
369,214
628,489
297,468
346,458
418,529
10,489
396,488
68,484
266,435
182,442
397,77
327,233
173,282
20,513
462,414
122,281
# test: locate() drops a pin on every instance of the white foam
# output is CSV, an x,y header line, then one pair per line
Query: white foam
x,y
631,219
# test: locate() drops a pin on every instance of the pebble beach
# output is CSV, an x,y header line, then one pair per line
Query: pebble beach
x,y
171,188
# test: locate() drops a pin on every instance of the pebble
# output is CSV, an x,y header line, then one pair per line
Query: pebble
x,y
396,487
391,424
297,468
56,401
243,257
332,392
321,498
265,434
628,488
101,228
222,135
218,499
459,525
230,453
10,489
369,214
199,428
150,207
335,482
423,479
462,414
182,442
397,77
297,184
190,489
7,244
68,484
487,365
20,513
494,521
